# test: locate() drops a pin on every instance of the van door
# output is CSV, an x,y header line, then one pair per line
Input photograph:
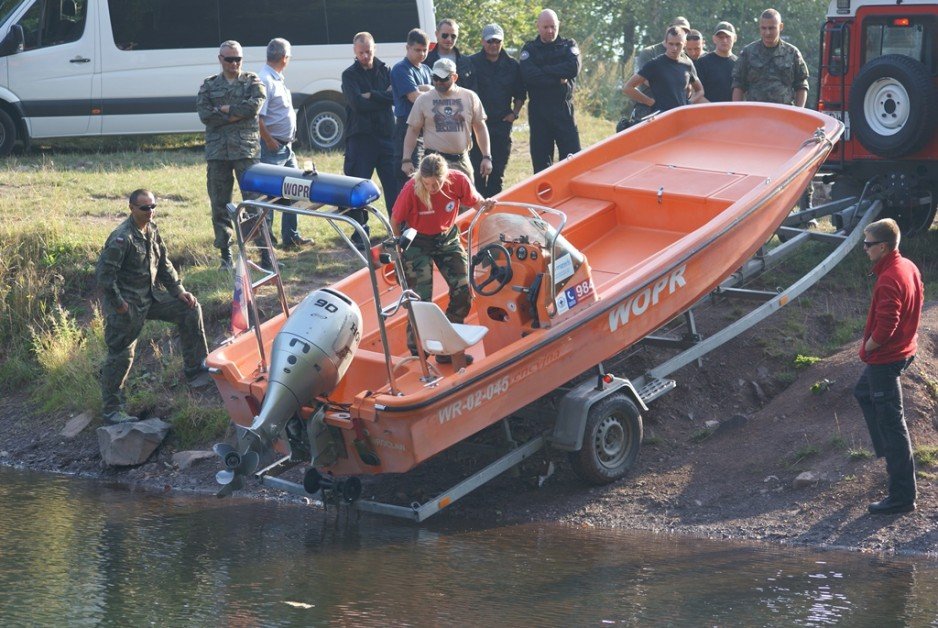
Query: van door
x,y
53,75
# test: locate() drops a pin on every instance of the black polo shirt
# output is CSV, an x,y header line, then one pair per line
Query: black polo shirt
x,y
716,74
668,80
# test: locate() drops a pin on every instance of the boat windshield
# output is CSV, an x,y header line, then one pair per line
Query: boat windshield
x,y
523,226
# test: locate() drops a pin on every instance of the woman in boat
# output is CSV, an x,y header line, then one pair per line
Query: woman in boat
x,y
430,202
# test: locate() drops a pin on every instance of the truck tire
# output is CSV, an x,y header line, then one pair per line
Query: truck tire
x,y
611,440
322,125
7,133
892,106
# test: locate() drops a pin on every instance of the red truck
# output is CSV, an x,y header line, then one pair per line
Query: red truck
x,y
879,75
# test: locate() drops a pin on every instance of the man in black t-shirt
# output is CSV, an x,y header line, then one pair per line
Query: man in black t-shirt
x,y
715,69
668,76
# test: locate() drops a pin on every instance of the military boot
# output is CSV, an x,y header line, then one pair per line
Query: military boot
x,y
226,263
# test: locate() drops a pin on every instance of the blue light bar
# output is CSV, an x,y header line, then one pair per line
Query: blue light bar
x,y
294,184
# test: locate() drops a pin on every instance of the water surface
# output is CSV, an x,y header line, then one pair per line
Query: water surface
x,y
78,553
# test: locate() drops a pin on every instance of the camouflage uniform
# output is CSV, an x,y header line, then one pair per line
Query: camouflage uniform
x,y
229,146
770,74
133,269
447,252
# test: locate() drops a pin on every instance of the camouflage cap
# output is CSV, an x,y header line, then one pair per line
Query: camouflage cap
x,y
725,27
681,22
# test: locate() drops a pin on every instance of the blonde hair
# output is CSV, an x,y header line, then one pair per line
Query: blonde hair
x,y
885,230
431,167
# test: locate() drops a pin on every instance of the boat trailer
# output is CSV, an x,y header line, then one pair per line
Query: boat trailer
x,y
572,404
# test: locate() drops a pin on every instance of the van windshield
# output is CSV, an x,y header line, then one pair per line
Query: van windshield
x,y
6,8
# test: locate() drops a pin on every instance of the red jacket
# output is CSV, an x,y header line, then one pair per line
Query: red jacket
x,y
895,311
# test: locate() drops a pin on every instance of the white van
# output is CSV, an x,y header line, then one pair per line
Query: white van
x,y
73,68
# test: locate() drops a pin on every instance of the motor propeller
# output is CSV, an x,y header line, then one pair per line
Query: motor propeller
x,y
237,466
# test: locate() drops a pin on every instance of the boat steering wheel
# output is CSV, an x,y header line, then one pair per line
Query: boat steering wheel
x,y
490,256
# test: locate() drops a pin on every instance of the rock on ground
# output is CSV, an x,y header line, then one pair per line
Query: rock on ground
x,y
129,444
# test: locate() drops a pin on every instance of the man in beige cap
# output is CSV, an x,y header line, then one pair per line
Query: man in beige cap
x,y
715,69
448,115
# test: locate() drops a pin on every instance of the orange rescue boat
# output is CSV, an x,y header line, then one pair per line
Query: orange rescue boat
x,y
571,267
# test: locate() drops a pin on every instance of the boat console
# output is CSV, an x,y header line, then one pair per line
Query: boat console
x,y
525,275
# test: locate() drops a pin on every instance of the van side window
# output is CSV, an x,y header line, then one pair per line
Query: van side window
x,y
53,22
387,20
164,24
256,22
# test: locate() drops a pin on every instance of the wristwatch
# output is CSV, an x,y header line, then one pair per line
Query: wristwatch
x,y
489,157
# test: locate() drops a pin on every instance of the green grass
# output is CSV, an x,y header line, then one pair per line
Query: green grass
x,y
859,453
805,452
926,456
60,201
701,435
804,361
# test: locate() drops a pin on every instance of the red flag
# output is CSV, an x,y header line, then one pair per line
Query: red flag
x,y
239,304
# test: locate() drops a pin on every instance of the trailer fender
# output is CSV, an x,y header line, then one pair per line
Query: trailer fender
x,y
574,408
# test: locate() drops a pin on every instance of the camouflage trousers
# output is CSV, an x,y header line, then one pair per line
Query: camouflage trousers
x,y
120,335
220,178
447,252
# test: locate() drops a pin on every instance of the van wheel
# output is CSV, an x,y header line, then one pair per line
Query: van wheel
x,y
7,133
611,441
322,125
892,106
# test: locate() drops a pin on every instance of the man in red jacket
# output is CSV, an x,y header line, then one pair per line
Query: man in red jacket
x,y
890,340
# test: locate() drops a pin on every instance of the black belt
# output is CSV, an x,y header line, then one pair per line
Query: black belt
x,y
446,156
283,142
425,237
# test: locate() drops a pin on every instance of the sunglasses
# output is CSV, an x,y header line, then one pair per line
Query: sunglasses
x,y
232,59
867,245
493,41
448,35
146,208
437,79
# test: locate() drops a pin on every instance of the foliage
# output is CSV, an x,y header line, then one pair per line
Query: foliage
x,y
613,31
805,452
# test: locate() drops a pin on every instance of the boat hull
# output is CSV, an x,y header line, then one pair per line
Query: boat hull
x,y
661,218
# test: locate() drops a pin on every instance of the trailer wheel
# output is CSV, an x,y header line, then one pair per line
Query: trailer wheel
x,y
7,133
892,106
612,438
322,125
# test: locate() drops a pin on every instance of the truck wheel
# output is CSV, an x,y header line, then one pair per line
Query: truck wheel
x,y
7,133
892,106
611,441
322,125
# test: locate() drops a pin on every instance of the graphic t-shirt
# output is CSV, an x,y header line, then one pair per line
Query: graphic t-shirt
x,y
446,119
441,215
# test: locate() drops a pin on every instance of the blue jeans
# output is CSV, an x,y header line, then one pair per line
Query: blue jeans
x,y
879,393
282,157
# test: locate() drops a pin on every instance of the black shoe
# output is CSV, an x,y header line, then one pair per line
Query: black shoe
x,y
297,242
890,507
226,263
267,263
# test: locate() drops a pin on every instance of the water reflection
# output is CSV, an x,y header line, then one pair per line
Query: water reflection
x,y
74,553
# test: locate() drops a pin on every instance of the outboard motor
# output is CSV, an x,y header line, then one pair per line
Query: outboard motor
x,y
309,357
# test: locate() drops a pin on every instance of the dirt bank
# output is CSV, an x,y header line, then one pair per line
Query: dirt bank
x,y
732,482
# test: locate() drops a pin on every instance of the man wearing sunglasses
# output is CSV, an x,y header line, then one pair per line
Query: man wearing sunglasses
x,y
501,90
228,104
447,32
447,116
139,283
890,340
550,65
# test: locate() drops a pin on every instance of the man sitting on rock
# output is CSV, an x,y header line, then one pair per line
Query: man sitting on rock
x,y
140,283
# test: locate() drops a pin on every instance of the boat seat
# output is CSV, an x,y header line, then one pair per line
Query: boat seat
x,y
439,336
